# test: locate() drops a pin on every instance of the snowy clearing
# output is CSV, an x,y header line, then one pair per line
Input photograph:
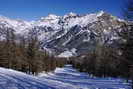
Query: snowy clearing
x,y
63,78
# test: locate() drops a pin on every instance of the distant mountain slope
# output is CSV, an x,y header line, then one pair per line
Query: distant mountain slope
x,y
71,34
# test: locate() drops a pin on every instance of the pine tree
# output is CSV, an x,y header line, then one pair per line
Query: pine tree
x,y
127,47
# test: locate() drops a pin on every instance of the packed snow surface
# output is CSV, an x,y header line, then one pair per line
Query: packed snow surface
x,y
62,78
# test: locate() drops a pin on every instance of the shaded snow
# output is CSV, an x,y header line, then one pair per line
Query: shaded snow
x,y
69,39
66,54
62,78
73,50
83,81
10,79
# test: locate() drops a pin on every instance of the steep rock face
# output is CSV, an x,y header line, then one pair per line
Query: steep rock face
x,y
79,34
70,34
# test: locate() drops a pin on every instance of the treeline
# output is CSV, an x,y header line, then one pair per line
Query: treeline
x,y
107,61
24,54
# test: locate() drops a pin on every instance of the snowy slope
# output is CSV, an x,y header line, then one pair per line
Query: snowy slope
x,y
20,26
10,79
63,78
83,81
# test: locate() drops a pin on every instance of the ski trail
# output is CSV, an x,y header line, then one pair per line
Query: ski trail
x,y
83,81
10,79
63,78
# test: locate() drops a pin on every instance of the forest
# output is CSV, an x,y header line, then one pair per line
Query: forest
x,y
108,61
25,55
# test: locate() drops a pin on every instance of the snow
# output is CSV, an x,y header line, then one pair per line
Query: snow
x,y
86,40
69,39
70,20
10,79
52,27
84,81
107,32
81,21
73,50
50,21
66,54
100,13
71,14
50,17
61,78
18,25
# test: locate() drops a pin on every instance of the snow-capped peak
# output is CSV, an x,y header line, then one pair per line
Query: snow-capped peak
x,y
50,17
60,34
72,14
100,13
3,17
20,26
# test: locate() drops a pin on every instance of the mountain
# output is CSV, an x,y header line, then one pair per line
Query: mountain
x,y
71,34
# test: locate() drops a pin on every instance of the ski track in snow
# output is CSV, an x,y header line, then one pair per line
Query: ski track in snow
x,y
83,81
62,78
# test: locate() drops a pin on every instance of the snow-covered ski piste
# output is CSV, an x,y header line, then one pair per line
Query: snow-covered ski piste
x,y
63,78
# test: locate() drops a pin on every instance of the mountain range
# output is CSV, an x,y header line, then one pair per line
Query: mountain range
x,y
69,35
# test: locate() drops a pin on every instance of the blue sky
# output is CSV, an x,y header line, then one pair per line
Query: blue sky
x,y
34,9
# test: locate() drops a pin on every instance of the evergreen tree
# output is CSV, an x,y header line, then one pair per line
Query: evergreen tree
x,y
127,47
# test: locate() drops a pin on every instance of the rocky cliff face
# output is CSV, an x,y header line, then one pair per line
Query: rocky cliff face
x,y
71,34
